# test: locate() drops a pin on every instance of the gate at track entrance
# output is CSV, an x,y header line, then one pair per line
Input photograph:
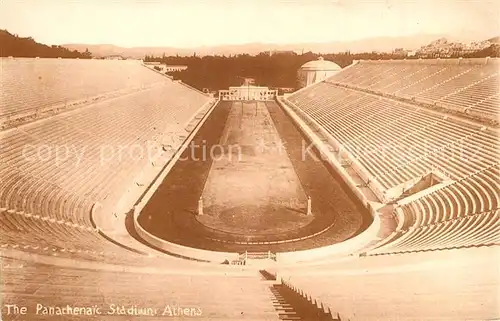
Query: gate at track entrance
x,y
248,93
250,258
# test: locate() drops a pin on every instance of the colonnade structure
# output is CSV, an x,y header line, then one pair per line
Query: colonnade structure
x,y
248,92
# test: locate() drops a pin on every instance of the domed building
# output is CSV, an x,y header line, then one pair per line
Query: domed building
x,y
316,70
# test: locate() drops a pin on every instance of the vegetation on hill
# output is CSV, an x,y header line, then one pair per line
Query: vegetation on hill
x,y
15,46
274,71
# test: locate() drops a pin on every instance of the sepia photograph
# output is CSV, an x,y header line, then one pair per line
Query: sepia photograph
x,y
258,160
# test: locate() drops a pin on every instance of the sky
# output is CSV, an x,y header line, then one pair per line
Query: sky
x,y
195,23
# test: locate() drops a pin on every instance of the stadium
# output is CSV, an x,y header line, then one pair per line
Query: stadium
x,y
369,191
399,184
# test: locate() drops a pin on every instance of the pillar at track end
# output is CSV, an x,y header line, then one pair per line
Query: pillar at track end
x,y
309,210
200,206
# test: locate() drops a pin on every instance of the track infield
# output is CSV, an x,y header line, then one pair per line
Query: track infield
x,y
252,187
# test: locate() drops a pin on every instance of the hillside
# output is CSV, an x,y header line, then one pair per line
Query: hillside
x,y
495,40
15,46
382,44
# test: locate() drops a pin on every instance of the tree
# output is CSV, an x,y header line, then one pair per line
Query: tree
x,y
13,45
218,72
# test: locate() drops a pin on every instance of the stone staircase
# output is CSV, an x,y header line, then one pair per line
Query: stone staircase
x,y
292,304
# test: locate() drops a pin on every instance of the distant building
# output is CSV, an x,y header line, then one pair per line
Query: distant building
x,y
411,53
280,52
113,57
170,68
164,68
442,48
404,52
316,71
286,89
248,81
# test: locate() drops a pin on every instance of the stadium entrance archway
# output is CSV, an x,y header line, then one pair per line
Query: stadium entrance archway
x,y
247,93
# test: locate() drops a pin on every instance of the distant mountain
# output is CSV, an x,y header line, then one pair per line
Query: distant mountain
x,y
383,44
495,40
15,46
112,50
